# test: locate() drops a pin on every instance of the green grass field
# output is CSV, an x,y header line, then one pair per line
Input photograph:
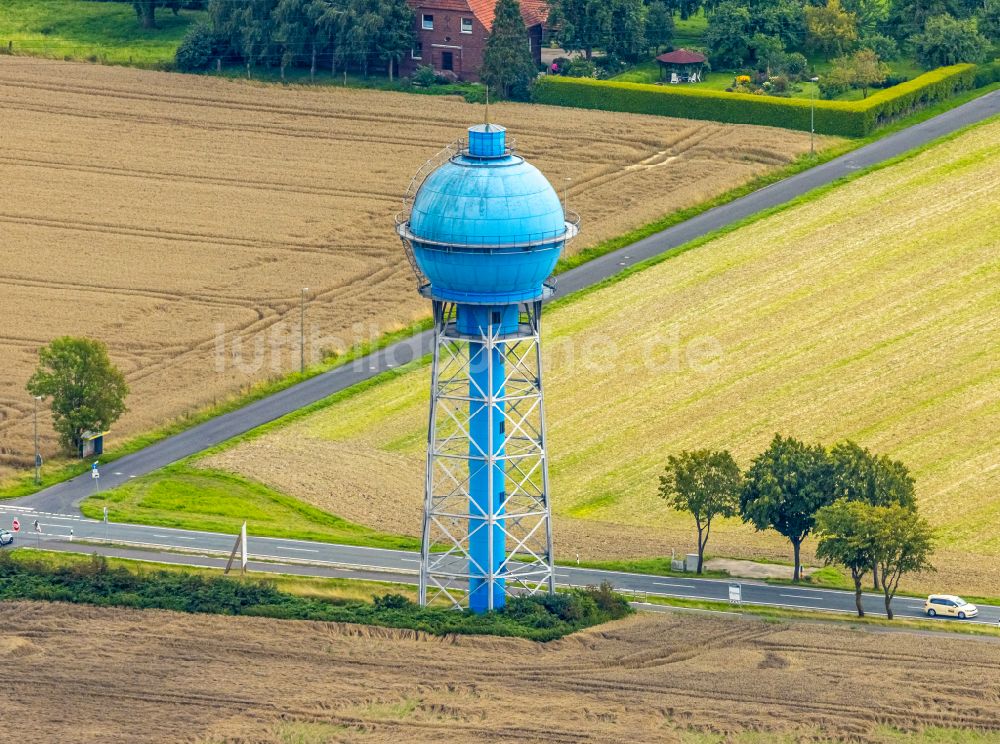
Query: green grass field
x,y
106,32
219,502
649,72
867,312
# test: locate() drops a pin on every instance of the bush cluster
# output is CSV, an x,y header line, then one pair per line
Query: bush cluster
x,y
540,617
196,49
844,118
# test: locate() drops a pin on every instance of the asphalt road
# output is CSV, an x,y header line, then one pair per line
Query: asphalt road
x,y
277,555
65,497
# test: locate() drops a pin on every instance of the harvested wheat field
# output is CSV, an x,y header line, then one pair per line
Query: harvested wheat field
x,y
83,674
870,314
177,217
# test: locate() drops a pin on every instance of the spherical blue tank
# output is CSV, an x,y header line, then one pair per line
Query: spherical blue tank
x,y
486,227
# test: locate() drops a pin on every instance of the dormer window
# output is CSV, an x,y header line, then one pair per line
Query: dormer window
x,y
428,22
466,25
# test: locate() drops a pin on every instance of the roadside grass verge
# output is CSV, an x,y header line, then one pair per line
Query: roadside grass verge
x,y
652,566
95,582
778,614
825,577
106,32
215,501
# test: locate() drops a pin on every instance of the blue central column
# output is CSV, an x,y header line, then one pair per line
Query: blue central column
x,y
486,436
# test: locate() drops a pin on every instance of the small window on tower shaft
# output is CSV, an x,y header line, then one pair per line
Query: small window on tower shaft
x,y
497,317
503,426
428,22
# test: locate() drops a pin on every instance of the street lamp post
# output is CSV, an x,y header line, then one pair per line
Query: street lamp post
x,y
302,330
38,455
812,118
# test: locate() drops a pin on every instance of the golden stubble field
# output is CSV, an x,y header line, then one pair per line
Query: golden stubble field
x,y
85,674
870,313
177,218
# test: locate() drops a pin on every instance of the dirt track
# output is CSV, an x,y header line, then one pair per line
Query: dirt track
x,y
81,674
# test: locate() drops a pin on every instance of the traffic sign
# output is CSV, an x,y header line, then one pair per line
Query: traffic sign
x,y
38,461
735,594
16,526
95,473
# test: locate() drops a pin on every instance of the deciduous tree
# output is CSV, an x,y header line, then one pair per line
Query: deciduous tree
x,y
830,28
581,25
989,20
904,543
860,475
626,37
145,10
784,20
87,390
784,488
508,67
707,484
297,32
728,34
847,531
768,53
948,41
877,480
863,69
659,25
870,15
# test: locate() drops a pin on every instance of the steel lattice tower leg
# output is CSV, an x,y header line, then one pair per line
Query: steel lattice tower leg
x,y
487,522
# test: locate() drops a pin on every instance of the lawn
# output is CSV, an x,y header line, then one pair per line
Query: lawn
x,y
690,33
649,72
106,32
219,502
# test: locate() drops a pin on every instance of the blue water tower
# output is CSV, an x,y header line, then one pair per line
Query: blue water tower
x,y
483,230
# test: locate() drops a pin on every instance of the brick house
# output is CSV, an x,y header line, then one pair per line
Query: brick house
x,y
451,34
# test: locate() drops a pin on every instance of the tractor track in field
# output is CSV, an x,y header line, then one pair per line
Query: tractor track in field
x,y
120,180
602,685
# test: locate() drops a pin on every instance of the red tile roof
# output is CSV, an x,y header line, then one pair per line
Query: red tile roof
x,y
457,5
535,12
681,57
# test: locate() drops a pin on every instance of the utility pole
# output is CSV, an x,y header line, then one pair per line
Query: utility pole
x,y
38,455
812,118
302,330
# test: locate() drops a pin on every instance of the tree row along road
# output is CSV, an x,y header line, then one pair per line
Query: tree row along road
x,y
300,557
66,496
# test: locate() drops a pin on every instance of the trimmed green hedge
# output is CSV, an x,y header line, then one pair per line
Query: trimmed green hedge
x,y
987,73
845,118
